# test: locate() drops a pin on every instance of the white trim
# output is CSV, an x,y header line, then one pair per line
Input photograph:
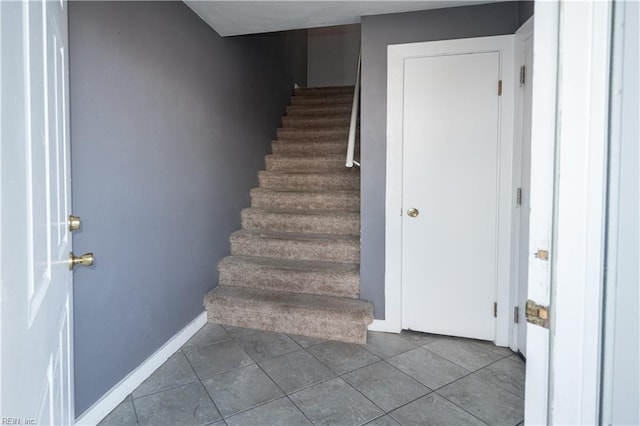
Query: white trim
x,y
110,400
393,229
384,326
582,124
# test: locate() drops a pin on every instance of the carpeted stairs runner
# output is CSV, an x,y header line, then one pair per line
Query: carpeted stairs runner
x,y
294,265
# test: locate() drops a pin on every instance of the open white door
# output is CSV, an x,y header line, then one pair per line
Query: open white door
x,y
36,287
543,123
568,175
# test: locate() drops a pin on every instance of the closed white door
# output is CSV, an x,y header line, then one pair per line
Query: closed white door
x,y
36,301
450,194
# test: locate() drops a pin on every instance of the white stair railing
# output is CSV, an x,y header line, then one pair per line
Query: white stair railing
x,y
351,146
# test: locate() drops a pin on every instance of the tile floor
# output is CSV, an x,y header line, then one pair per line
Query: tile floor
x,y
236,376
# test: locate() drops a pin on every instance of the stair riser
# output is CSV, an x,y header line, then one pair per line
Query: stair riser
x,y
337,251
306,111
315,224
309,282
309,148
309,183
317,101
314,123
322,91
304,164
313,135
306,201
289,324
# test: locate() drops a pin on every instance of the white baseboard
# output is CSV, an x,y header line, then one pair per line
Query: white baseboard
x,y
110,400
383,325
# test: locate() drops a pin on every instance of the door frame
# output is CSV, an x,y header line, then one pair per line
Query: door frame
x,y
508,169
568,209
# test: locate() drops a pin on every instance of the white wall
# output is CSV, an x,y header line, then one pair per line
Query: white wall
x,y
332,54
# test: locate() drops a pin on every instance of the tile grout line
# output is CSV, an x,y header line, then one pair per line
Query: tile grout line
x,y
204,387
337,375
284,394
463,377
135,412
484,381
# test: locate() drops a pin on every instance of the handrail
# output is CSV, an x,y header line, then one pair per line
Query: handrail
x,y
351,146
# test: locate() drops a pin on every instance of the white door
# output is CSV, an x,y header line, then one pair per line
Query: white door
x,y
450,177
543,130
525,38
36,320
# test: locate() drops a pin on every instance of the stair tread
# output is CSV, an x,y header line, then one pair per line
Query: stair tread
x,y
256,299
328,213
297,236
338,173
291,264
321,88
307,157
333,129
276,192
305,110
301,158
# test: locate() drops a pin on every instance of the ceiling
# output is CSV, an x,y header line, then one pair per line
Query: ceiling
x,y
239,17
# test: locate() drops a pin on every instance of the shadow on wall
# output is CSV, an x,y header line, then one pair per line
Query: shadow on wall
x,y
169,125
333,55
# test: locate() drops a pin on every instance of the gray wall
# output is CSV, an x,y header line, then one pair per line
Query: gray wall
x,y
377,33
333,55
169,125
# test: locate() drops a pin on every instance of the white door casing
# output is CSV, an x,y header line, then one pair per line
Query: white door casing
x,y
450,174
36,318
569,151
582,153
397,54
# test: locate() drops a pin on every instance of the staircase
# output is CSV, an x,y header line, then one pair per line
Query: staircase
x,y
294,265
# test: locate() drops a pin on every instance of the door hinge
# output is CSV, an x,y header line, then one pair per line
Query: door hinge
x,y
499,87
516,314
542,254
522,75
537,314
495,309
519,197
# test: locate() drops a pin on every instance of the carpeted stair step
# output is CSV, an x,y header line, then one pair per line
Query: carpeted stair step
x,y
315,222
316,247
315,122
319,110
325,163
309,149
323,278
326,134
326,317
322,100
321,91
298,181
296,200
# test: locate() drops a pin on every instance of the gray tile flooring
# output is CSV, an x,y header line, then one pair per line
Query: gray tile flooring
x,y
243,377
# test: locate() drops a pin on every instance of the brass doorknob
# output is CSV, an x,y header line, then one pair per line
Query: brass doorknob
x,y
413,212
73,222
84,260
